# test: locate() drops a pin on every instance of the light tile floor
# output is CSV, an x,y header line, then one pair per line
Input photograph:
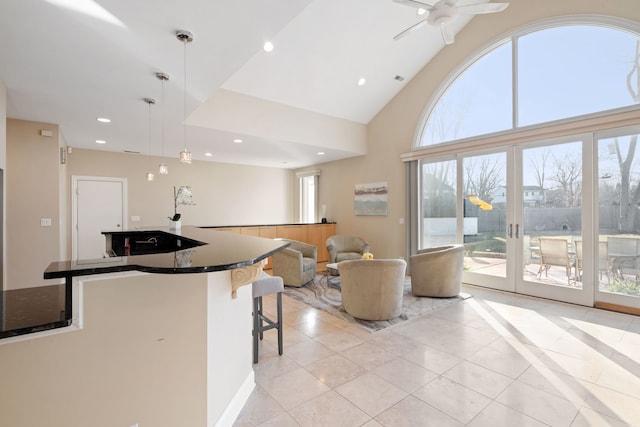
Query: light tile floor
x,y
496,359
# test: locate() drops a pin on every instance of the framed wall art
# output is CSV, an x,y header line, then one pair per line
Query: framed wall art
x,y
371,199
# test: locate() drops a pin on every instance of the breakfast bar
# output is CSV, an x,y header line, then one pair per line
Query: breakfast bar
x,y
173,337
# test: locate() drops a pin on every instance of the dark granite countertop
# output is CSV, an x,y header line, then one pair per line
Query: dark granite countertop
x,y
218,251
29,310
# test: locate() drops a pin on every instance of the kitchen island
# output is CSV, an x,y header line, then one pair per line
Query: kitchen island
x,y
143,349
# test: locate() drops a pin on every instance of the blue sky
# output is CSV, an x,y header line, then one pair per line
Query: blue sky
x,y
563,72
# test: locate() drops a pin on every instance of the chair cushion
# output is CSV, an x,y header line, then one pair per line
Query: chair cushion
x,y
344,256
308,264
266,284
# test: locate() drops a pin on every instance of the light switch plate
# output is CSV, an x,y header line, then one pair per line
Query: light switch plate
x,y
45,222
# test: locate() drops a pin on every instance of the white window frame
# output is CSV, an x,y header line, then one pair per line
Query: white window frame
x,y
308,199
615,23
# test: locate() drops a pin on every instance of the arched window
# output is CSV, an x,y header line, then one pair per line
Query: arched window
x,y
560,69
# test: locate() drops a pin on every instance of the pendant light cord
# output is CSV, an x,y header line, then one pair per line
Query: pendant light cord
x,y
149,136
162,116
185,41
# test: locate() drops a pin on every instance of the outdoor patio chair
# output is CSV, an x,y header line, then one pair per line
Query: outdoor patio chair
x,y
555,251
624,256
603,259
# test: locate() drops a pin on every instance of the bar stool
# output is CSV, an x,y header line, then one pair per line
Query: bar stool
x,y
265,285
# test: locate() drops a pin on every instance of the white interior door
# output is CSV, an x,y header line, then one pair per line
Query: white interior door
x,y
99,204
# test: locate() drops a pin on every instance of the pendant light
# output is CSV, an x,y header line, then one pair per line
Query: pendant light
x,y
163,169
150,101
185,37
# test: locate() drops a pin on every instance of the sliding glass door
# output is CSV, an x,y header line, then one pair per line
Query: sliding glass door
x,y
550,211
439,208
489,255
520,213
618,188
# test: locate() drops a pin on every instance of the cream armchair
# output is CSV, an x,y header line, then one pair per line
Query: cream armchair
x,y
342,248
372,289
437,272
296,264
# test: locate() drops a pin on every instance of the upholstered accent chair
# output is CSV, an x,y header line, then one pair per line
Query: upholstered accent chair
x,y
437,272
296,264
372,289
342,247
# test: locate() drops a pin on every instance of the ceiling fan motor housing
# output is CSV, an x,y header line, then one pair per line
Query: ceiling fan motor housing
x,y
442,14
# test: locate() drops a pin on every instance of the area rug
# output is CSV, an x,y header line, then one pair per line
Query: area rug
x,y
324,294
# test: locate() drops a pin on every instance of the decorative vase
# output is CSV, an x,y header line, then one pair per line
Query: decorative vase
x,y
175,225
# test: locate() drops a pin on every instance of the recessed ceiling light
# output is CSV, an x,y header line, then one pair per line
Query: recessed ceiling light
x,y
100,141
103,120
268,46
208,154
238,141
361,81
421,11
321,153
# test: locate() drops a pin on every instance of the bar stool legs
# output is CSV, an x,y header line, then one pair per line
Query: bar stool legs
x,y
263,286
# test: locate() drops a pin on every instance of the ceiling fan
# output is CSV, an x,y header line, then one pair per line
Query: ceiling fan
x,y
444,12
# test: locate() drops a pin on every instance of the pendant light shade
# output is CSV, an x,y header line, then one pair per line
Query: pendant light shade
x,y
185,156
185,37
163,169
149,175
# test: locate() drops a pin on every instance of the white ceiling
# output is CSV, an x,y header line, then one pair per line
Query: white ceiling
x,y
69,66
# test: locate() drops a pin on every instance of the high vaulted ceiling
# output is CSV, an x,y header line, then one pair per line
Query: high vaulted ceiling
x,y
69,62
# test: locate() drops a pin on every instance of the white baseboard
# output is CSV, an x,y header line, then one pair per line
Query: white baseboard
x,y
232,411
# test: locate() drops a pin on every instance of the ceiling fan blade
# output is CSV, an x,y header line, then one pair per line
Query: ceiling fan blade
x,y
480,8
410,29
416,4
447,34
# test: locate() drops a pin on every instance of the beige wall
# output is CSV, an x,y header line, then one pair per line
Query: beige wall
x,y
224,194
393,130
3,125
32,193
133,362
3,166
63,201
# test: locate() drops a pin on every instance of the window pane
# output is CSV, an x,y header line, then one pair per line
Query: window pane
x,y
573,70
619,216
552,241
438,203
308,199
476,103
485,214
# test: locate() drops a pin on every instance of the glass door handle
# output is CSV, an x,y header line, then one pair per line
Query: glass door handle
x,y
517,230
510,230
